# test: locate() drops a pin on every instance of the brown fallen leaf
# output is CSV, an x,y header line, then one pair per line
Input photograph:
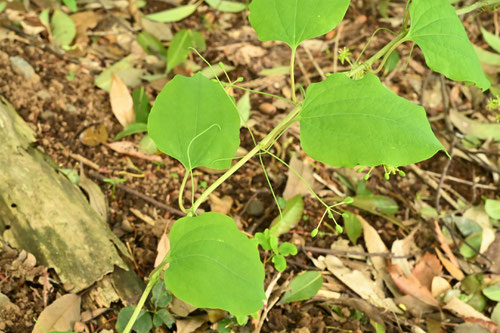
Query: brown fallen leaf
x,y
220,205
464,310
411,285
94,135
61,315
131,149
189,325
84,21
162,249
427,268
452,269
493,253
122,103
294,185
444,245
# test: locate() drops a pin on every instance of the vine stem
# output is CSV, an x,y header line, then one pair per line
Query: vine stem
x,y
477,5
292,74
391,46
261,146
154,277
181,192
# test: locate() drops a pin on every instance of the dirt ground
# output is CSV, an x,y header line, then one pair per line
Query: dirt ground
x,y
61,111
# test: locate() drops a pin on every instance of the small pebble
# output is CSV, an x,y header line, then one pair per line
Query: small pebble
x,y
255,208
267,108
22,67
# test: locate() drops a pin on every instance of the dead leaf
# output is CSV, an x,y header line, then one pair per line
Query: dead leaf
x,y
454,271
444,245
61,315
189,325
493,253
131,149
294,185
360,284
404,247
122,103
427,268
411,285
180,308
162,249
478,214
89,315
219,205
94,135
464,310
142,216
439,286
84,21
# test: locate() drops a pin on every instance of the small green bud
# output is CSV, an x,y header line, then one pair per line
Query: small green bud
x,y
240,79
345,215
387,176
314,232
367,176
339,229
402,173
330,215
348,200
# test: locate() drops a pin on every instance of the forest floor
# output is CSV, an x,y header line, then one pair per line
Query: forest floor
x,y
403,217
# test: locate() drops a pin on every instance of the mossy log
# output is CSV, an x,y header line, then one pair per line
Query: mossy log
x,y
42,212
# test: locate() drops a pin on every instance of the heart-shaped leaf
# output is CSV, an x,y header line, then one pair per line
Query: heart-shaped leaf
x,y
294,21
214,265
437,30
347,122
196,122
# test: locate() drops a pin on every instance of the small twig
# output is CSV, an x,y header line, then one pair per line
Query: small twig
x,y
432,183
269,304
354,253
314,62
443,176
462,181
138,194
303,70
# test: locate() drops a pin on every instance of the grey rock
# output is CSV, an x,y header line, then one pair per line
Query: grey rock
x,y
255,208
22,67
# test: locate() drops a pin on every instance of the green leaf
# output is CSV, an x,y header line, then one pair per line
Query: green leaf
x,y
279,262
131,129
2,6
63,30
475,241
487,57
392,62
347,122
287,249
214,265
438,31
244,107
163,317
293,22
493,208
161,297
376,203
141,105
492,293
147,145
172,15
71,4
226,5
180,47
124,70
143,324
291,216
352,226
151,45
305,286
491,39
263,239
196,122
